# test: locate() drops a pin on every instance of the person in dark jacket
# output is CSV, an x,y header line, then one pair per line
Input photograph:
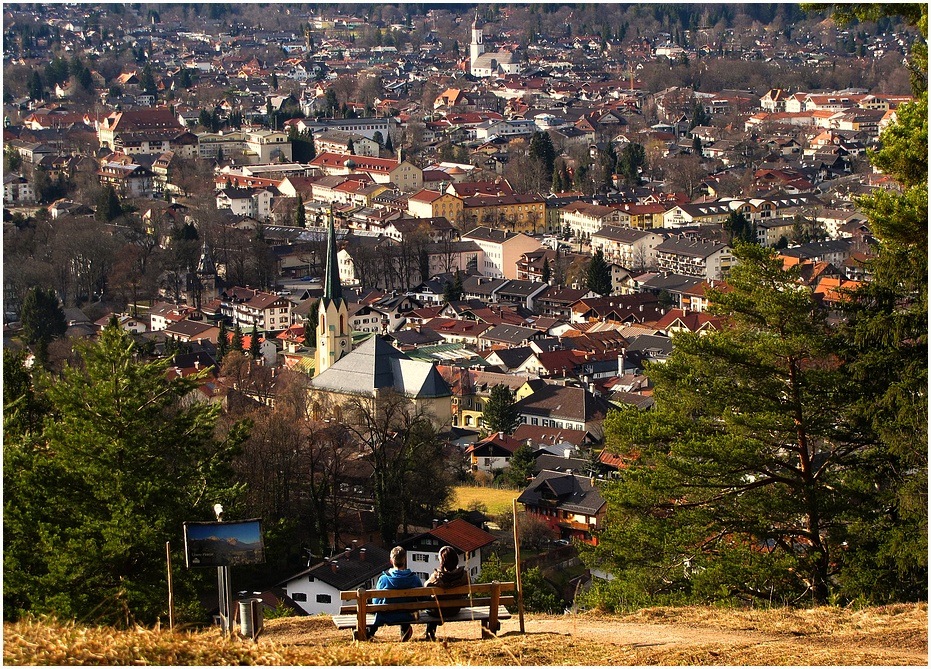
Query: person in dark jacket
x,y
399,577
449,575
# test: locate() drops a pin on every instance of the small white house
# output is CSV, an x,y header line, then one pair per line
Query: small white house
x,y
316,589
423,551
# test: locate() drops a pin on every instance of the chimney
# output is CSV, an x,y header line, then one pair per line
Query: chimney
x,y
362,555
620,363
501,435
197,364
436,523
567,453
333,566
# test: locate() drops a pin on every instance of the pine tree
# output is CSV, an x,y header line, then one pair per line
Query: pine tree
x,y
389,147
546,273
90,503
300,213
223,341
598,276
500,414
887,335
254,349
541,150
43,320
108,205
236,343
752,468
520,467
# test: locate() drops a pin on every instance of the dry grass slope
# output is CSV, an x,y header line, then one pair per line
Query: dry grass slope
x,y
495,500
892,635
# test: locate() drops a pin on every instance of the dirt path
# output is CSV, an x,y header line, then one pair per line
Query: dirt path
x,y
625,642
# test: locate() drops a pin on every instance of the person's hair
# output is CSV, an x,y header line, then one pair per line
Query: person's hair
x,y
399,557
449,560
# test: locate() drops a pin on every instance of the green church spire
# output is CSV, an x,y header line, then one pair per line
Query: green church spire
x,y
332,289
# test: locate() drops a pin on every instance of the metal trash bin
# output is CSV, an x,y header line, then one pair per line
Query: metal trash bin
x,y
250,617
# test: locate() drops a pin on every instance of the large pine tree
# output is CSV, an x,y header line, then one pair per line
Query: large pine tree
x,y
752,476
90,501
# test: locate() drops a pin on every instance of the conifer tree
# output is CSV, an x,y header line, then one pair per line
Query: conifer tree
x,y
90,502
43,320
254,349
500,414
598,276
754,468
300,213
223,341
236,343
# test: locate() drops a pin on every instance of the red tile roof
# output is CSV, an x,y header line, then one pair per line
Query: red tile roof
x,y
462,535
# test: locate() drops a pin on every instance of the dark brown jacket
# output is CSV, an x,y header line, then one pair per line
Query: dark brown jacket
x,y
448,579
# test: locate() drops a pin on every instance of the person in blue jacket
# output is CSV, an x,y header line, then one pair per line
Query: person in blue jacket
x,y
398,577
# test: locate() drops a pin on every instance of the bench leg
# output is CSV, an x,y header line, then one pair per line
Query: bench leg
x,y
359,634
487,632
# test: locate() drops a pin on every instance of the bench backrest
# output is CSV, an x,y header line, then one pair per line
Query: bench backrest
x,y
428,593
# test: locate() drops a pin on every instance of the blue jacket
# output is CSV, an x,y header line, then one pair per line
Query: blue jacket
x,y
395,579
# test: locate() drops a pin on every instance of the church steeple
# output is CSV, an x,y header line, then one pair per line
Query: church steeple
x,y
334,334
332,288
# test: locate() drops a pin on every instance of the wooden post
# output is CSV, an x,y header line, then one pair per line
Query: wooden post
x,y
361,631
171,590
517,579
493,624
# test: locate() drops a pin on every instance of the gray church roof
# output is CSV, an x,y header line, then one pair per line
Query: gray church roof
x,y
376,365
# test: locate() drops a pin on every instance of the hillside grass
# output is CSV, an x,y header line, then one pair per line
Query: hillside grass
x,y
495,500
890,635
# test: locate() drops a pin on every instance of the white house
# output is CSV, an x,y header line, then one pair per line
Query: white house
x,y
627,246
316,589
468,540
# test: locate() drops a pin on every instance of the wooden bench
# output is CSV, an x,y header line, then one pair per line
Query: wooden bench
x,y
478,601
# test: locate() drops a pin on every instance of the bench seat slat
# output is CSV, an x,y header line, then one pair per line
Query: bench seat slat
x,y
479,613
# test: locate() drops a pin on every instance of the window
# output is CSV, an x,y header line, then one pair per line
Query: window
x,y
299,596
419,557
324,599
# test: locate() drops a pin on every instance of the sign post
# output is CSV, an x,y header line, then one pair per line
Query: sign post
x,y
226,600
222,544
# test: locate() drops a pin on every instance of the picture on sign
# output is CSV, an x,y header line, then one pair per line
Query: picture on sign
x,y
223,544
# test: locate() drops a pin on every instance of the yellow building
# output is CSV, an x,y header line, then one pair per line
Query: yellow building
x,y
431,204
516,213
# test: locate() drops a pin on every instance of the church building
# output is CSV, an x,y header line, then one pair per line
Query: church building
x,y
334,334
373,369
483,64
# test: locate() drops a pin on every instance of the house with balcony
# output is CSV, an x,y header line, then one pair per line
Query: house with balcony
x,y
585,219
252,202
570,504
247,307
694,257
628,247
